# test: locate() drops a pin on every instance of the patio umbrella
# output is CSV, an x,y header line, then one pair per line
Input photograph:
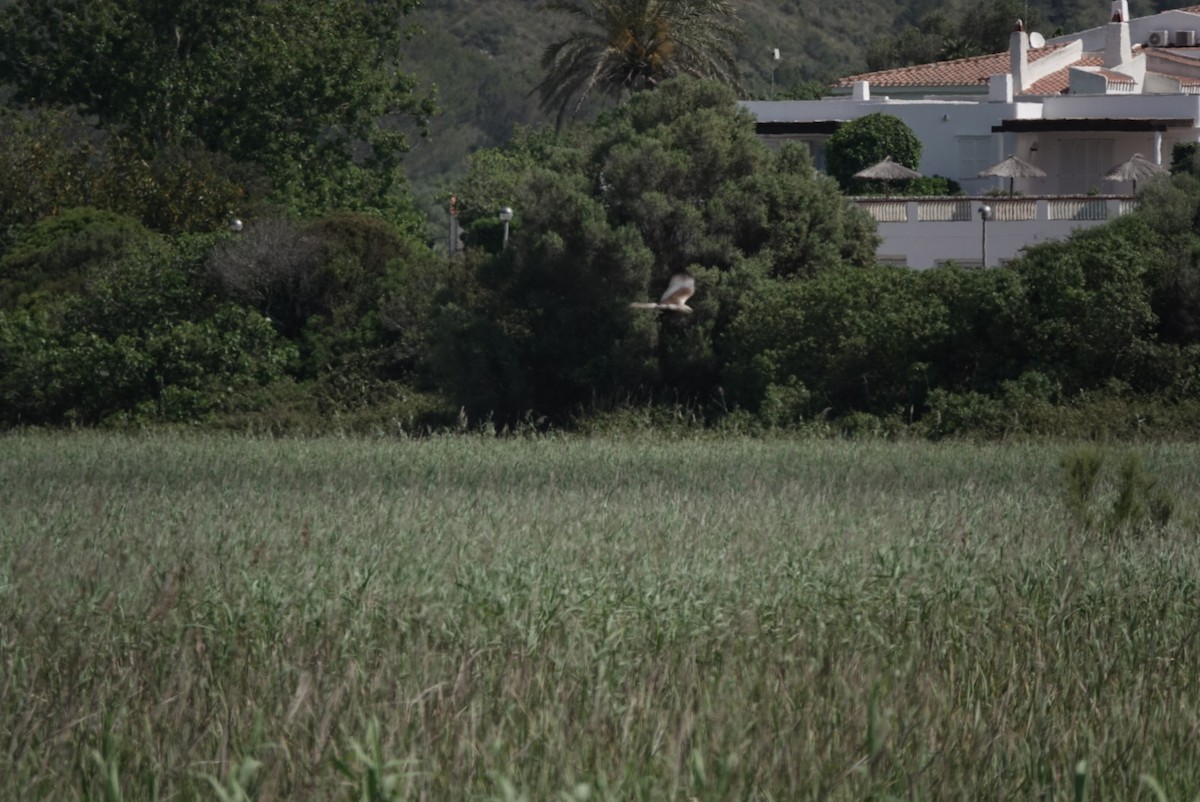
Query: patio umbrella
x,y
1011,168
1139,168
887,171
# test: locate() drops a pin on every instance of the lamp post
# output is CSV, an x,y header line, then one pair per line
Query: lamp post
x,y
774,64
985,214
506,215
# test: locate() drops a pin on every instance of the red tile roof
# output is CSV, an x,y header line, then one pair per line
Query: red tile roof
x,y
1174,54
958,72
976,70
1115,77
1058,82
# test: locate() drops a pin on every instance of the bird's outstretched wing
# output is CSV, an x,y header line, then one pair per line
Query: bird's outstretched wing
x,y
675,299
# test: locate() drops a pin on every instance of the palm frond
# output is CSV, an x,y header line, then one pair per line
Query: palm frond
x,y
629,45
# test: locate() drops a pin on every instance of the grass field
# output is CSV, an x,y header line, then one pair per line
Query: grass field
x,y
186,618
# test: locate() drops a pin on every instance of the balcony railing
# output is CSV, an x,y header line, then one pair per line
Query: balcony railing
x,y
942,211
1004,210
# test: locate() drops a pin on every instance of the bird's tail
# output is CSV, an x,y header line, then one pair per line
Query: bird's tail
x,y
643,306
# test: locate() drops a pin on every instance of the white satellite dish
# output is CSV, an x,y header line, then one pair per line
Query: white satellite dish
x,y
1036,40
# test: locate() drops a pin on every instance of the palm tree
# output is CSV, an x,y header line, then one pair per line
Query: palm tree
x,y
631,45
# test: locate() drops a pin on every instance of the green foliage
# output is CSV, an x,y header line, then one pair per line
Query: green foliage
x,y
239,785
495,173
685,168
1171,209
324,284
802,90
1081,471
934,185
1088,310
863,142
44,167
855,339
930,40
981,348
673,181
173,76
956,30
139,339
373,778
784,329
1185,158
179,188
1138,498
51,161
54,256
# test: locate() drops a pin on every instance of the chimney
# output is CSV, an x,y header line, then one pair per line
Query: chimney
x,y
1118,47
862,90
1018,53
1000,89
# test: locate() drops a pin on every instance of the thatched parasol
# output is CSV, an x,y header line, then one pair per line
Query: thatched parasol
x,y
1012,168
888,171
1139,168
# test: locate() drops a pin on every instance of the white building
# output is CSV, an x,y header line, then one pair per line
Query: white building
x,y
1074,106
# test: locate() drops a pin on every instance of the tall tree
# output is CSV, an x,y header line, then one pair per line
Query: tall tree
x,y
674,180
629,45
300,88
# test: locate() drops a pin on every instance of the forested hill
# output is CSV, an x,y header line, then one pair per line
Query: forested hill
x,y
483,55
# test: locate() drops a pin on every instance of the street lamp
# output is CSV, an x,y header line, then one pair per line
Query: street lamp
x,y
985,214
506,215
774,64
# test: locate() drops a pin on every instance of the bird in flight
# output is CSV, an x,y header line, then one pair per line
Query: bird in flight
x,y
675,299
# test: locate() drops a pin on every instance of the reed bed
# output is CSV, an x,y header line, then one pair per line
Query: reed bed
x,y
223,618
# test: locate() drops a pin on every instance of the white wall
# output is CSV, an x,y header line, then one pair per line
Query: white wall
x,y
1123,106
923,244
937,123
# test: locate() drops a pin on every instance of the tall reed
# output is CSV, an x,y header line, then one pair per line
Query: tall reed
x,y
613,619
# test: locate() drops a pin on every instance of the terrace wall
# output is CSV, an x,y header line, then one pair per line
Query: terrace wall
x,y
925,232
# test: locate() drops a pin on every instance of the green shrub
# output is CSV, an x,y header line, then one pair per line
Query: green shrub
x,y
784,404
1081,470
54,257
139,340
860,424
855,338
866,141
969,413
